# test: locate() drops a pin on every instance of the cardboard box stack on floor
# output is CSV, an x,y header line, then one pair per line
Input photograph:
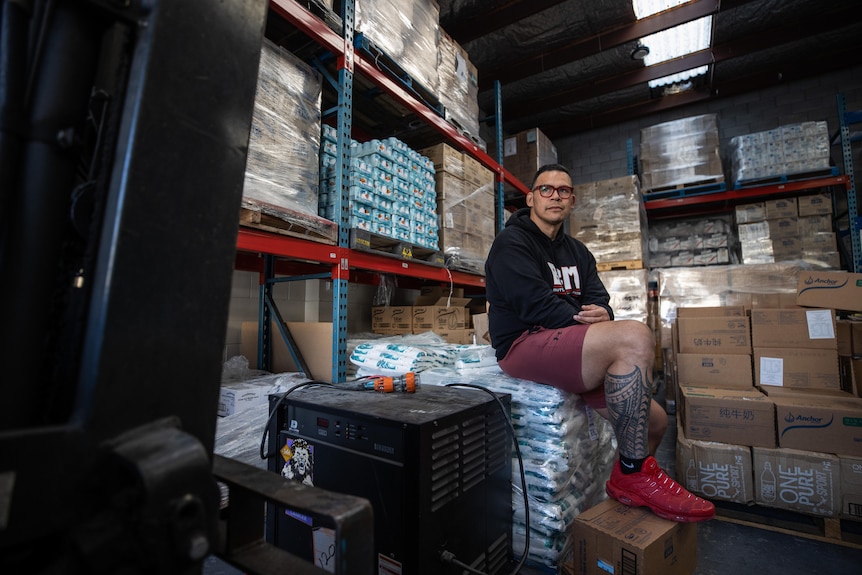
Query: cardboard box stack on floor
x,y
764,415
436,309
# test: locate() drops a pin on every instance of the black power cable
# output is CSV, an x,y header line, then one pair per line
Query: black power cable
x,y
449,557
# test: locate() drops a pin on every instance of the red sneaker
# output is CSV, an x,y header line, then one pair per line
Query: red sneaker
x,y
652,487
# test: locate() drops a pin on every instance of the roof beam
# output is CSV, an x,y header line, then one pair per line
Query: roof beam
x,y
822,23
816,65
583,47
465,27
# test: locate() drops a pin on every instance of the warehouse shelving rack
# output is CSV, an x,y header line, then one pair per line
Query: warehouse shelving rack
x,y
845,120
291,255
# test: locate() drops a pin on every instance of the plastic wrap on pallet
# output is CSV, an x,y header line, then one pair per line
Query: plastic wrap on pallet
x,y
284,142
610,218
459,86
390,190
567,451
408,31
729,285
693,242
467,225
681,153
629,291
787,150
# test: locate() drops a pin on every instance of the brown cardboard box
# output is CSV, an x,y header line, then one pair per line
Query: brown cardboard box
x,y
480,324
392,319
614,538
783,228
714,470
851,487
446,159
782,208
814,421
797,480
715,370
808,328
797,367
735,416
728,335
712,311
440,315
850,338
314,340
836,290
526,152
814,204
749,213
458,336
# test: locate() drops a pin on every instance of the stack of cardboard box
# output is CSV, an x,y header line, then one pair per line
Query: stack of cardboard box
x,y
795,228
465,207
435,310
779,432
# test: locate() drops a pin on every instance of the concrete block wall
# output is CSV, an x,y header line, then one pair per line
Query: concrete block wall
x,y
601,154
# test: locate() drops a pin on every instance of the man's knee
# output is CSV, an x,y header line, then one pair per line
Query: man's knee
x,y
636,338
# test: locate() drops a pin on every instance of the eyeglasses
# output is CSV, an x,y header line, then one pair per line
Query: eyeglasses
x,y
547,191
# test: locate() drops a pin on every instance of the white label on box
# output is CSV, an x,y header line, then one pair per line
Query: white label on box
x,y
510,146
820,324
772,371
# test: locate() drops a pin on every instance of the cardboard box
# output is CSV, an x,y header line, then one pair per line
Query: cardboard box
x,y
815,421
814,204
835,290
782,208
458,336
851,487
446,159
440,315
715,370
797,368
748,213
711,311
313,339
727,335
802,481
480,325
735,416
614,538
805,328
235,397
392,319
849,338
717,471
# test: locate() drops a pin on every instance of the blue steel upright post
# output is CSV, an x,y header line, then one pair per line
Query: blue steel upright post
x,y
498,134
341,273
844,121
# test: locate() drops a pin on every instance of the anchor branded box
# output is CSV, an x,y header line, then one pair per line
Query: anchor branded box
x,y
836,290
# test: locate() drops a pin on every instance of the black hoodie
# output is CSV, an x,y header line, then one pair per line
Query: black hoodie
x,y
534,281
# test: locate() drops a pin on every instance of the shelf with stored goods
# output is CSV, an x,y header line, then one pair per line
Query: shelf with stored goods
x,y
727,200
349,256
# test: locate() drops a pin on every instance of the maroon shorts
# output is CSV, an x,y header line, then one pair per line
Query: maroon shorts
x,y
552,357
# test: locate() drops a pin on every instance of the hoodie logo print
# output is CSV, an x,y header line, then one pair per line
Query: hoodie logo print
x,y
566,280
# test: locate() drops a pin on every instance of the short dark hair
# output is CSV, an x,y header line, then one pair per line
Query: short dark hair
x,y
550,168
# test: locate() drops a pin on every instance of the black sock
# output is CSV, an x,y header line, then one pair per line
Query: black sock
x,y
628,465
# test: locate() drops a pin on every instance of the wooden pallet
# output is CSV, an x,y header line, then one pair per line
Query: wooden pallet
x,y
621,265
697,187
784,178
366,241
825,529
289,223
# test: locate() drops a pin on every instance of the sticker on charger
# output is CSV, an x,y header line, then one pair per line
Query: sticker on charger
x,y
298,458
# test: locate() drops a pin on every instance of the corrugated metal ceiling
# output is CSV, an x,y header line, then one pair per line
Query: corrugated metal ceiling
x,y
565,66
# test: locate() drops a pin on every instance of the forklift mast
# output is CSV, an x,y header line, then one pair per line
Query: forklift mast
x,y
124,128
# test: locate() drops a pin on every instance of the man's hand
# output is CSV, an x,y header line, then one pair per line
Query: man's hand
x,y
591,313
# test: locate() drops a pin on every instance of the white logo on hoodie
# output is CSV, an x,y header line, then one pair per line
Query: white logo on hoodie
x,y
566,280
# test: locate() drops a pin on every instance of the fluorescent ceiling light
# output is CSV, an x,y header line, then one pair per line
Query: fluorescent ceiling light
x,y
674,42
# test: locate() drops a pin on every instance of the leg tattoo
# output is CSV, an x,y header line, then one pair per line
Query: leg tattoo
x,y
628,407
